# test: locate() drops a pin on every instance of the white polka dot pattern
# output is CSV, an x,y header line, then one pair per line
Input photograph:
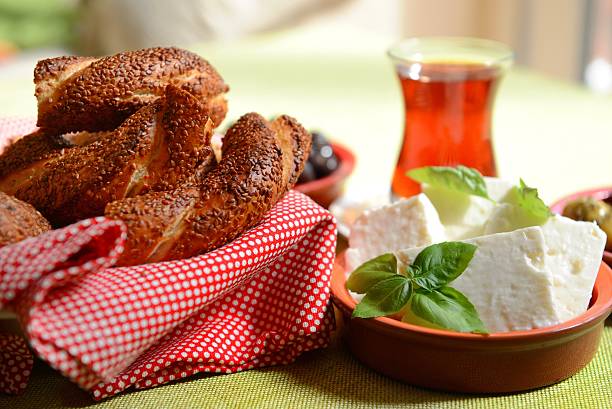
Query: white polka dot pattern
x,y
15,363
260,300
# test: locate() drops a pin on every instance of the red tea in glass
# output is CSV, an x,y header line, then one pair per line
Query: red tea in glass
x,y
448,104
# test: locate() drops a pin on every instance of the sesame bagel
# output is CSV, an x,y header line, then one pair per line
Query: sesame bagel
x,y
157,148
261,161
98,94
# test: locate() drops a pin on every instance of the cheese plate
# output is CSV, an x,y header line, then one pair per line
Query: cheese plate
x,y
466,362
474,285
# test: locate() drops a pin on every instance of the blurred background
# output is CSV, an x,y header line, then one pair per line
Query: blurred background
x,y
567,39
325,62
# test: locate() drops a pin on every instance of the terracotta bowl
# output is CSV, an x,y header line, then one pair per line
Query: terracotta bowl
x,y
602,193
327,189
459,362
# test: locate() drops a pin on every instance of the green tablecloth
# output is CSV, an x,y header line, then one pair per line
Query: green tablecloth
x,y
555,135
322,379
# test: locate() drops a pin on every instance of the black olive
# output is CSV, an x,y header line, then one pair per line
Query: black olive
x,y
331,164
318,139
324,166
308,174
322,156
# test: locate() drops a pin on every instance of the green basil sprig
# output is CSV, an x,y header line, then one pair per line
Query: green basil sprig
x,y
470,181
528,200
459,178
422,292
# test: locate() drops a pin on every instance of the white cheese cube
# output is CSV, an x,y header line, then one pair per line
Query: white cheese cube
x,y
574,251
508,280
403,224
463,215
498,188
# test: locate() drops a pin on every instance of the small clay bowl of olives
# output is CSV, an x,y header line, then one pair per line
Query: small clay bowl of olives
x,y
590,205
326,170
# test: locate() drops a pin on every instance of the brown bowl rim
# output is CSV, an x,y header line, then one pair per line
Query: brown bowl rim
x,y
346,160
600,307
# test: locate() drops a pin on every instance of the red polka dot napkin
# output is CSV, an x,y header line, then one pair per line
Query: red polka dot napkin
x,y
261,300
13,128
15,363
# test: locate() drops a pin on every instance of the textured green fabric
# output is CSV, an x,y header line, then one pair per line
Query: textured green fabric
x,y
321,379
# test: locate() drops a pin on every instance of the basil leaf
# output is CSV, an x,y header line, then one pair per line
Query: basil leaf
x,y
459,178
412,271
385,297
371,272
439,264
447,308
527,198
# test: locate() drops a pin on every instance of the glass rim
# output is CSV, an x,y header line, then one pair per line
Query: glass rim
x,y
448,48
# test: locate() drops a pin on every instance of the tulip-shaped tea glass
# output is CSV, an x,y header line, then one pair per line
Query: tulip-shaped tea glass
x,y
449,85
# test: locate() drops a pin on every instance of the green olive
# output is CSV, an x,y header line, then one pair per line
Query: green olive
x,y
606,226
591,210
586,209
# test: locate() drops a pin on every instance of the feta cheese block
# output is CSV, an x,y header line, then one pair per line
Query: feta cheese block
x,y
509,280
574,251
463,215
498,188
403,224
